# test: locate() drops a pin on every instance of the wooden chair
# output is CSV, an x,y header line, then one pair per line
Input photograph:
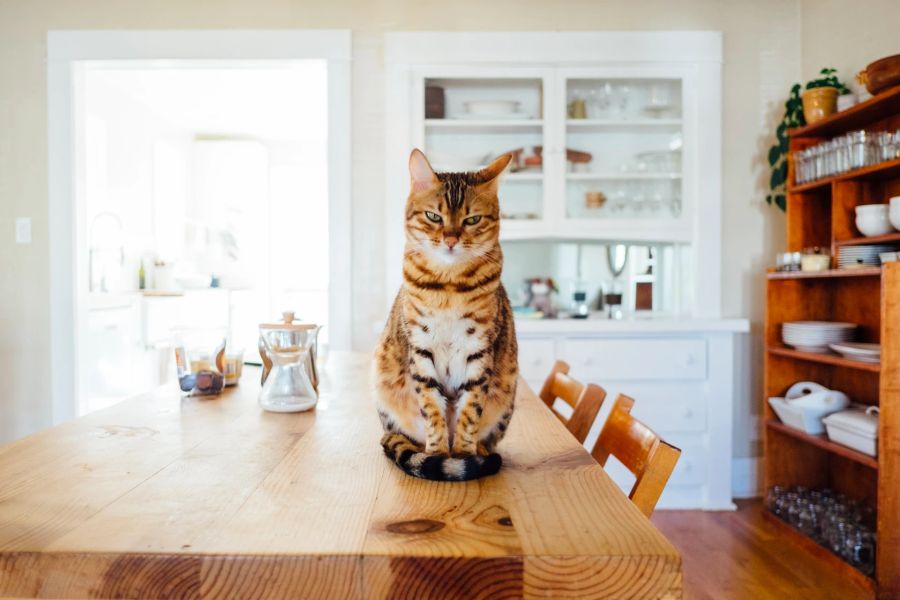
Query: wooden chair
x,y
640,449
585,400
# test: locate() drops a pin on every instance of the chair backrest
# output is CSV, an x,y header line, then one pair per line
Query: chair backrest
x,y
585,400
649,458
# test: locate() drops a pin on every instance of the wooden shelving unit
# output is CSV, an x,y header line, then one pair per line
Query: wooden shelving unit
x,y
822,213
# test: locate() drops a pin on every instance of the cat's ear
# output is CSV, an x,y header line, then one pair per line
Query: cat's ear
x,y
490,175
421,174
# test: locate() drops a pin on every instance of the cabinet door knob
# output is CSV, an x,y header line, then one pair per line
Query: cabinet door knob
x,y
688,413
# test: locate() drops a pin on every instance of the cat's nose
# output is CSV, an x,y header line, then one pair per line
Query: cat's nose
x,y
451,241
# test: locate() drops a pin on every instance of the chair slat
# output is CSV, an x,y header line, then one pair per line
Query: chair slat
x,y
584,400
649,458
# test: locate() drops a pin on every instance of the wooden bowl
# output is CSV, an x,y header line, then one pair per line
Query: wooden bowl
x,y
882,74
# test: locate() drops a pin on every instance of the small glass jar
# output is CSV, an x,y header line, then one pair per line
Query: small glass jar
x,y
859,149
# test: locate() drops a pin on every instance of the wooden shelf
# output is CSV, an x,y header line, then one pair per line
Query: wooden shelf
x,y
888,169
809,545
828,359
875,239
820,441
885,104
830,274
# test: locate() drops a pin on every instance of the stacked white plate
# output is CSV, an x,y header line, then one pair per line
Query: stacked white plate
x,y
861,256
870,353
815,336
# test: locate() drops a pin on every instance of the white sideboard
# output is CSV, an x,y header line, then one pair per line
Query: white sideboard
x,y
682,374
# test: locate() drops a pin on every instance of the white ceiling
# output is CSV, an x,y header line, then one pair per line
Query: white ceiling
x,y
268,100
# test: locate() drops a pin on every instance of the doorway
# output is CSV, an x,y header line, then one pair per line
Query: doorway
x,y
206,194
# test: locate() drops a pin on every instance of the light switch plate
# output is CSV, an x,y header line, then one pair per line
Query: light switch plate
x,y
23,230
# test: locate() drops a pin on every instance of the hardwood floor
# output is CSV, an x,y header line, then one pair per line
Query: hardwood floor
x,y
739,555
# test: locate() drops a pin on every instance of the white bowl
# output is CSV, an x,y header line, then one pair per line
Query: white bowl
x,y
873,224
894,203
894,217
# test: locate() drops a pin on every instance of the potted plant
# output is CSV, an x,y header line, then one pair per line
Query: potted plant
x,y
796,115
820,97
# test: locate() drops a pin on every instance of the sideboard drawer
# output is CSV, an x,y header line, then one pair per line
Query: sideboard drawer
x,y
666,406
536,358
612,359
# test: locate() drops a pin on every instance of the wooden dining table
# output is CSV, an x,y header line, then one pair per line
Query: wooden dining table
x,y
164,495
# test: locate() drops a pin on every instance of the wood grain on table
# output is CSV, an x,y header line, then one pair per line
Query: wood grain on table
x,y
164,496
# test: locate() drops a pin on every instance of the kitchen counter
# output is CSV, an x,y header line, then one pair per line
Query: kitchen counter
x,y
165,496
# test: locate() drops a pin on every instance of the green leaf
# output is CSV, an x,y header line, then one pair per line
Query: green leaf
x,y
774,154
781,134
779,176
781,202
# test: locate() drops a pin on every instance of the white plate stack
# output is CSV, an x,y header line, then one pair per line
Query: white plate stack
x,y
850,257
815,336
870,353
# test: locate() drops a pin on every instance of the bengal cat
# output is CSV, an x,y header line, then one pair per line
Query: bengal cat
x,y
445,368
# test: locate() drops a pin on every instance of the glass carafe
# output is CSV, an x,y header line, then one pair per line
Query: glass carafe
x,y
291,383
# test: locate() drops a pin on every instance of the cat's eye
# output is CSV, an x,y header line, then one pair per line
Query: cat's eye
x,y
433,217
472,220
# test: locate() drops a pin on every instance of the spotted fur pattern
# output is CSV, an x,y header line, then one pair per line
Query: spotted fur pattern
x,y
445,369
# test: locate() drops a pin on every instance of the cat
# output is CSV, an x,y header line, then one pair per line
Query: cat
x,y
446,367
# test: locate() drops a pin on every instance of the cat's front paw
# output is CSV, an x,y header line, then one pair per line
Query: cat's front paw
x,y
461,448
438,449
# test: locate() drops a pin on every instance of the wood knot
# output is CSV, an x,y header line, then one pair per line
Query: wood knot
x,y
415,526
505,521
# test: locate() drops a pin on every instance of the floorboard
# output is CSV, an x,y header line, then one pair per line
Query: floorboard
x,y
740,555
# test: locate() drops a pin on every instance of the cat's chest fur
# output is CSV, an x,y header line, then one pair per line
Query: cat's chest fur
x,y
451,340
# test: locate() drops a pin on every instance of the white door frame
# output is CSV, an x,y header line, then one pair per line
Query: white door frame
x,y
66,50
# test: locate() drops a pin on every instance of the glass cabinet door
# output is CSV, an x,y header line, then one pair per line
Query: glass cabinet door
x,y
623,147
471,117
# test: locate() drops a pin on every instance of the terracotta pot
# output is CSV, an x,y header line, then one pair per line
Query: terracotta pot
x,y
819,103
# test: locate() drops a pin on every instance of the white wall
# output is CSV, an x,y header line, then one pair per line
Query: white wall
x,y
847,35
762,57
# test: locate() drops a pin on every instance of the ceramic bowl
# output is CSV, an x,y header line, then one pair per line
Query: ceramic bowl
x,y
872,219
873,225
894,203
872,209
894,217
